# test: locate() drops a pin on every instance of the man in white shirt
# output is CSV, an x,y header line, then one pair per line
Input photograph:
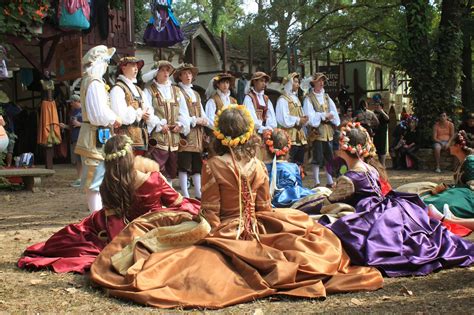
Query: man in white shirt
x,y
170,118
129,103
191,147
98,121
259,105
323,118
219,96
290,116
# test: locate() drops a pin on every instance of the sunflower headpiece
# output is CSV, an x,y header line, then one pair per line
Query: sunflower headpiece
x,y
241,139
368,149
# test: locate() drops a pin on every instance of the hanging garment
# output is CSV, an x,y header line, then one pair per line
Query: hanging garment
x,y
74,14
163,28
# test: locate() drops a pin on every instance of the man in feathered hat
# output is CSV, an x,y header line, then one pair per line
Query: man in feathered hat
x,y
218,93
289,115
258,104
129,103
323,118
191,147
171,117
98,122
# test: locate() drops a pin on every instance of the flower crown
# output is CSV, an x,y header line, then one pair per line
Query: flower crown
x,y
368,149
229,141
127,148
268,139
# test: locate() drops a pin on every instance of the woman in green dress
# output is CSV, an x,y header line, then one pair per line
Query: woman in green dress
x,y
460,197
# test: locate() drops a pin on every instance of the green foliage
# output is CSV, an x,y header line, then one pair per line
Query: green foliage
x,y
19,18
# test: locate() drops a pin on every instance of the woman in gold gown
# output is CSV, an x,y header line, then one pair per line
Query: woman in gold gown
x,y
251,250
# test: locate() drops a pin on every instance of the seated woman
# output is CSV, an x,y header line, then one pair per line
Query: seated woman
x,y
460,197
394,232
252,250
410,145
132,186
286,184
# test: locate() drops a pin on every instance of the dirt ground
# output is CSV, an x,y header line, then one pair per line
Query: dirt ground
x,y
27,218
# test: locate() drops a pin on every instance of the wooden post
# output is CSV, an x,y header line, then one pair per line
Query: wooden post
x,y
311,61
250,55
328,59
224,52
317,64
288,57
193,56
344,70
270,59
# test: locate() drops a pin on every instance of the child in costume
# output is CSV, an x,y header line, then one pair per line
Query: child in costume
x,y
141,189
251,251
286,185
394,232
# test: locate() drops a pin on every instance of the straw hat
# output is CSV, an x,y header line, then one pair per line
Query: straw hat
x,y
4,97
150,75
223,76
96,53
181,68
318,76
259,75
131,59
290,77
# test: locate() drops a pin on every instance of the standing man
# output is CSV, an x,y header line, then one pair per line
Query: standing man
x,y
289,115
380,133
191,147
98,122
258,104
323,118
219,95
130,105
171,117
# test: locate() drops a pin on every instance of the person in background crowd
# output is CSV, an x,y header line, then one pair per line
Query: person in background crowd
x,y
3,136
380,132
410,145
10,110
218,94
468,124
443,131
366,117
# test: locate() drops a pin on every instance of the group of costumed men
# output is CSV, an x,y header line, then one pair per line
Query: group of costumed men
x,y
168,122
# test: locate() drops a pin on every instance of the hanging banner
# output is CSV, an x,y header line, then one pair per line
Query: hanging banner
x,y
332,85
68,59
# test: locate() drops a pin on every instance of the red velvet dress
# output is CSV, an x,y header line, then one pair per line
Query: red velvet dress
x,y
75,247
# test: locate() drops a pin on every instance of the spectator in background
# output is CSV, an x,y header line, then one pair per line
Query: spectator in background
x,y
366,117
397,142
443,131
380,133
468,124
74,126
347,116
10,110
410,145
3,136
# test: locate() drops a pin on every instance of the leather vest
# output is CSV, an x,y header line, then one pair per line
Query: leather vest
x,y
87,140
193,142
137,131
169,110
260,111
296,134
325,131
219,104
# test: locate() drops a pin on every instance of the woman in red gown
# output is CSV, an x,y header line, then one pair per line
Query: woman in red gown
x,y
132,186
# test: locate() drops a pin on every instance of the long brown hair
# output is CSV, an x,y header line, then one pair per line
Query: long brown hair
x,y
233,123
117,189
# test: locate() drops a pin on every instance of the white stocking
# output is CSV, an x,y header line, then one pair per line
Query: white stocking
x,y
197,185
94,201
329,177
183,183
316,173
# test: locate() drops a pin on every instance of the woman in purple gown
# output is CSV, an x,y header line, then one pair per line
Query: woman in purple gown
x,y
393,233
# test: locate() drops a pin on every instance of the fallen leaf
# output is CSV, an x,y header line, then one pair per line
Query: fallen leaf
x,y
55,289
71,290
35,281
7,198
385,297
405,291
16,239
356,301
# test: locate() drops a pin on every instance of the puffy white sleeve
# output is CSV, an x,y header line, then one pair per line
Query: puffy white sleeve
x,y
249,105
128,114
283,116
336,121
98,112
211,112
184,119
271,118
314,117
154,121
